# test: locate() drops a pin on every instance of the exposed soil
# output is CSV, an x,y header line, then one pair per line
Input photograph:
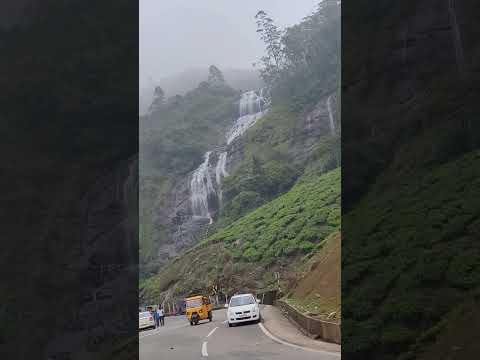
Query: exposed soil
x,y
319,291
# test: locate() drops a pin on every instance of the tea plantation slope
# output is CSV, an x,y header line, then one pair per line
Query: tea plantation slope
x,y
293,223
245,254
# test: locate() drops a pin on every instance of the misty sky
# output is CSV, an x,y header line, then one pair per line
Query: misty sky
x,y
179,34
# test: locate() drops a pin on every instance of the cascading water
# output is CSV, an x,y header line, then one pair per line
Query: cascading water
x,y
220,170
201,187
250,110
330,115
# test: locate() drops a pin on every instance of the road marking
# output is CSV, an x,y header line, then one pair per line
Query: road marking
x,y
274,338
211,332
204,349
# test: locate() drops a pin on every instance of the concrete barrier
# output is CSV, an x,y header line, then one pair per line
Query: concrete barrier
x,y
315,328
267,297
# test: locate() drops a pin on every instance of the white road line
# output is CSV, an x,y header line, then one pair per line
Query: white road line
x,y
211,332
204,349
274,338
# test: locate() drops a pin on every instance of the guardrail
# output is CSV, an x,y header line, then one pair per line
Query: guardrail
x,y
315,328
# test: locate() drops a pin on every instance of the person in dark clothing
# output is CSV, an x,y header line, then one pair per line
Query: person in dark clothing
x,y
156,318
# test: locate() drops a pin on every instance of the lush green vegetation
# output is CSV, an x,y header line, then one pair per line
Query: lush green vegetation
x,y
300,66
271,163
274,222
181,129
412,261
270,238
291,224
302,62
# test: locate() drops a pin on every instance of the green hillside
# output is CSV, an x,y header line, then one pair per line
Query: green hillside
x,y
245,254
272,161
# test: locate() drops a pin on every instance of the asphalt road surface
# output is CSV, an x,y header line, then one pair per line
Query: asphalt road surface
x,y
178,340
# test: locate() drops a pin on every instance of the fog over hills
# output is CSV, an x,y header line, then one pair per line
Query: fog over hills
x,y
176,37
180,83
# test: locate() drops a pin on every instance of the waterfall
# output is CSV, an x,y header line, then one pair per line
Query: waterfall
x,y
201,187
250,112
457,39
220,170
330,115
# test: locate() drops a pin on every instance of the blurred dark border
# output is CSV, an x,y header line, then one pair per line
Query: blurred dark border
x,y
410,179
69,175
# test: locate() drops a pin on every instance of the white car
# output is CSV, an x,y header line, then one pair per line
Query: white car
x,y
243,308
146,320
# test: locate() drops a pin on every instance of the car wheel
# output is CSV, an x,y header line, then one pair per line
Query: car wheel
x,y
230,325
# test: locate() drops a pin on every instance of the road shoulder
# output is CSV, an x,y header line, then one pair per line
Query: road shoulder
x,y
275,323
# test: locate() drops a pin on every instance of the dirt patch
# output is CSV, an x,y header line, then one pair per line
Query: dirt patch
x,y
318,291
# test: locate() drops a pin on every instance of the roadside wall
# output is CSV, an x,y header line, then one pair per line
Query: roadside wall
x,y
268,297
315,328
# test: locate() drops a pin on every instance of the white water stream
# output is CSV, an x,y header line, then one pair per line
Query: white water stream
x,y
330,115
201,186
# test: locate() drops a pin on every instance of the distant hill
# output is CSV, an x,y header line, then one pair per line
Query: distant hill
x,y
240,79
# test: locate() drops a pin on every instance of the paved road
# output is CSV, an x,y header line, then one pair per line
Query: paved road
x,y
180,341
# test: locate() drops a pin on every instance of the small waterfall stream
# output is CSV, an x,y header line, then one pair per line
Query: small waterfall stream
x,y
221,172
201,185
330,115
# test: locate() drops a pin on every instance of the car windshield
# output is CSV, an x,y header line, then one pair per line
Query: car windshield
x,y
144,315
242,300
194,303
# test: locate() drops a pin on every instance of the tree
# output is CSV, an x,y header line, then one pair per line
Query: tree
x,y
158,99
272,62
215,76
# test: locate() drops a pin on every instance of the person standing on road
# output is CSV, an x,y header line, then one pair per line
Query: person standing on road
x,y
161,316
156,318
